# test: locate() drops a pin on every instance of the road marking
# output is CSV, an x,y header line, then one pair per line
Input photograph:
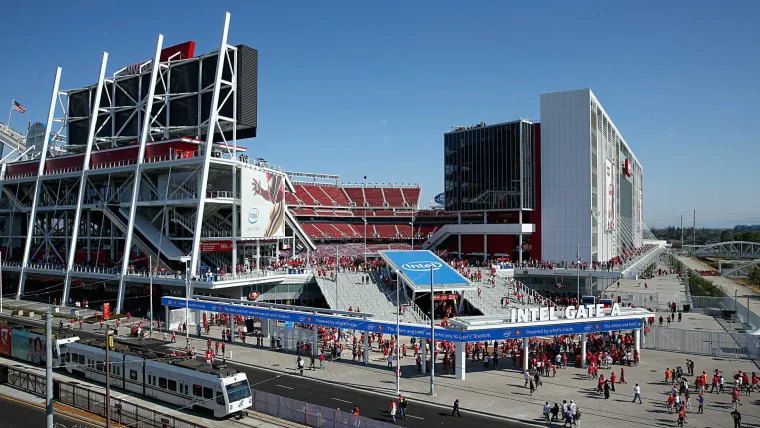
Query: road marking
x,y
265,380
283,386
415,417
344,401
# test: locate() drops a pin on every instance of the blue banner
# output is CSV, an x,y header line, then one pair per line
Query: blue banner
x,y
411,330
416,266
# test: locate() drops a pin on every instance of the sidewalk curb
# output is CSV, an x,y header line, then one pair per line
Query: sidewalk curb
x,y
371,391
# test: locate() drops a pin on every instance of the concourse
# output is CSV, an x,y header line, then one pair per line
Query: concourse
x,y
520,324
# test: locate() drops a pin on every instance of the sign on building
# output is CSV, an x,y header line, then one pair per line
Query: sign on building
x,y
262,209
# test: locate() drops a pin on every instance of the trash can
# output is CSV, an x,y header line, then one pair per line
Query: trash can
x,y
686,308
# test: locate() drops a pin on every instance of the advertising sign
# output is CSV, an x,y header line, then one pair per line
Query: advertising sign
x,y
578,323
106,311
262,204
216,246
5,341
416,266
28,347
641,211
609,195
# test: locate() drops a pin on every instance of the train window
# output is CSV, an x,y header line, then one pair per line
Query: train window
x,y
162,382
197,390
219,398
186,390
208,393
172,385
133,374
99,366
81,359
68,357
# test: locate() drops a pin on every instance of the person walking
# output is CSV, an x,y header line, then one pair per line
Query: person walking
x,y
455,409
701,402
737,418
393,410
546,412
637,394
402,406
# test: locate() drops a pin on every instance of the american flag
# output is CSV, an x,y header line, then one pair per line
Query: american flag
x,y
18,107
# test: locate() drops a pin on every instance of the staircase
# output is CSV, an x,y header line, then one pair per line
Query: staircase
x,y
189,188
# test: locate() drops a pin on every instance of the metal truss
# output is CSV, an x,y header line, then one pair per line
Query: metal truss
x,y
729,249
740,269
227,58
40,170
147,104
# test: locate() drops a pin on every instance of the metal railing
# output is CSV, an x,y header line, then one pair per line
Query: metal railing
x,y
311,414
123,412
712,343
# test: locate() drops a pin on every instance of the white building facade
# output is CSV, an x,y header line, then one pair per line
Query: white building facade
x,y
591,182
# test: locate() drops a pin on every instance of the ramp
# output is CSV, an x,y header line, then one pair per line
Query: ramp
x,y
416,268
152,234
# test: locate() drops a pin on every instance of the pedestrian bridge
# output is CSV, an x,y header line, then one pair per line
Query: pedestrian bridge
x,y
728,249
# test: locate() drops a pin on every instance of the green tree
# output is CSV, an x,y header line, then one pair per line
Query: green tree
x,y
726,235
754,276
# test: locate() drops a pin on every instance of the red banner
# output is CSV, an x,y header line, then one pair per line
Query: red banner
x,y
106,311
5,341
446,297
216,246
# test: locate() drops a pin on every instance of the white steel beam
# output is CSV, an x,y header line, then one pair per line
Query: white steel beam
x,y
40,170
213,117
144,134
83,178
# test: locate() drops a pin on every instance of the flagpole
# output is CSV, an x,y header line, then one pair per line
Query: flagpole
x,y
10,113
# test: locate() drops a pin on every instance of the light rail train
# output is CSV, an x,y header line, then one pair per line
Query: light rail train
x,y
185,383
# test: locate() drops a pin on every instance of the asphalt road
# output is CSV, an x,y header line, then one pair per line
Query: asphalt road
x,y
371,405
18,414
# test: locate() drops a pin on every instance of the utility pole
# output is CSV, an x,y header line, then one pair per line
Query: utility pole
x,y
432,335
150,274
337,266
49,369
108,379
681,231
694,232
398,336
578,271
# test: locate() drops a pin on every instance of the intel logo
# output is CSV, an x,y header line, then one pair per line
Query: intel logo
x,y
421,266
253,215
588,328
507,334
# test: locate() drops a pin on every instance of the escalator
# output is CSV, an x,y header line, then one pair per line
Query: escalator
x,y
143,237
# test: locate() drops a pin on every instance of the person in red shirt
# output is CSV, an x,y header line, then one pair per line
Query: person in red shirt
x,y
613,378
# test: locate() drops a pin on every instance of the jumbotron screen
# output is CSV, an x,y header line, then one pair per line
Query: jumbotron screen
x,y
186,77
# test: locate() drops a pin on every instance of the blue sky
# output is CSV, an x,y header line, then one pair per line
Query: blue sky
x,y
369,88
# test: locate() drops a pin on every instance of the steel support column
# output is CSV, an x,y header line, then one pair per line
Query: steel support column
x,y
144,135
40,171
212,123
83,178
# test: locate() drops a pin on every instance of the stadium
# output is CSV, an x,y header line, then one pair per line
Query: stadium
x,y
137,187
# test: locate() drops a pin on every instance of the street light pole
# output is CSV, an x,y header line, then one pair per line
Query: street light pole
x,y
150,275
108,381
337,265
432,336
49,369
187,298
398,336
578,271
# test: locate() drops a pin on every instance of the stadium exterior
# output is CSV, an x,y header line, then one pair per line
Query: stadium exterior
x,y
147,160
141,172
592,183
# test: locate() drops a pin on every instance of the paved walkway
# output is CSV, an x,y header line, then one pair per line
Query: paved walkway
x,y
501,391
